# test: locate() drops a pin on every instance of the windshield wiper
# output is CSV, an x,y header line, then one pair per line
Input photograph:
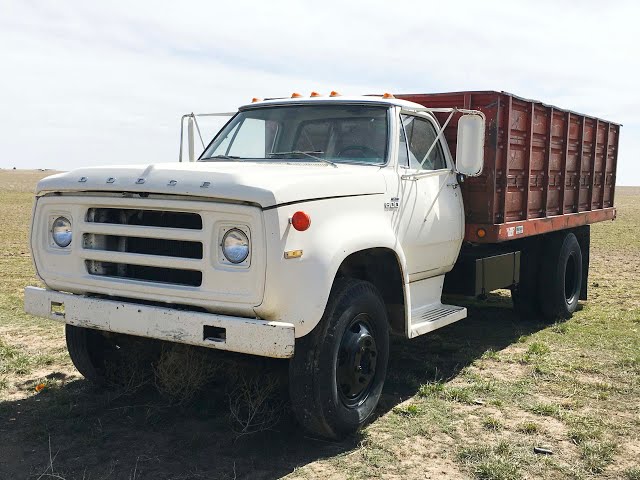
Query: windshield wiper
x,y
223,157
306,154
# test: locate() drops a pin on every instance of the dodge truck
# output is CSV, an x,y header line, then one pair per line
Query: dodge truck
x,y
310,228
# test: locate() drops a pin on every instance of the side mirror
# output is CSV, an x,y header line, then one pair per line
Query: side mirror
x,y
470,145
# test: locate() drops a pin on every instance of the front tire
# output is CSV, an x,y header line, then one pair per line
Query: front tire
x,y
338,370
110,359
87,351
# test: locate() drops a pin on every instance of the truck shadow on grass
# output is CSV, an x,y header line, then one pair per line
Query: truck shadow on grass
x,y
73,430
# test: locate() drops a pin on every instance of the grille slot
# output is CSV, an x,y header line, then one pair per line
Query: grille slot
x,y
174,276
146,218
147,246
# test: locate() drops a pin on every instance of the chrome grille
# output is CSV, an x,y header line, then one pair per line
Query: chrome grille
x,y
148,246
196,226
158,246
148,218
174,276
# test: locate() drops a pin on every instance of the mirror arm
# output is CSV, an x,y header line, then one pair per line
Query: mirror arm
x,y
193,117
451,112
182,119
426,173
195,120
435,142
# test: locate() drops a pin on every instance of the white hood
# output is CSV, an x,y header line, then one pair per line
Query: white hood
x,y
264,184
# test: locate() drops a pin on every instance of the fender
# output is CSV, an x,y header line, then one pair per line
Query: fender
x,y
297,290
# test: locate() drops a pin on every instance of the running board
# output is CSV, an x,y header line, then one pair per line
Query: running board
x,y
430,318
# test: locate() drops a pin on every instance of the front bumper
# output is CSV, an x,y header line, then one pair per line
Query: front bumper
x,y
244,335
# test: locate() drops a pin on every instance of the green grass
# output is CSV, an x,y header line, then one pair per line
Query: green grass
x,y
491,463
528,428
492,424
597,456
13,360
408,411
632,473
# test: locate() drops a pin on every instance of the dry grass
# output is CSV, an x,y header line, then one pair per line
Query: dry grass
x,y
182,371
255,404
469,401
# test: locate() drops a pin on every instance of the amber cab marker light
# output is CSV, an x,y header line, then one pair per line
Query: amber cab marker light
x,y
255,99
334,94
315,94
296,95
388,95
481,233
301,221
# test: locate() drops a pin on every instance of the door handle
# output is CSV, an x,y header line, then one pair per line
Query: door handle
x,y
452,185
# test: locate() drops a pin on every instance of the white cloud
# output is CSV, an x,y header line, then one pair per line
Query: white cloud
x,y
101,82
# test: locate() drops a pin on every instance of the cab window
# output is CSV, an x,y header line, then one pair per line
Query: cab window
x,y
420,135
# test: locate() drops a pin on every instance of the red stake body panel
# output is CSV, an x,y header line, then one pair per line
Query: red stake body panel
x,y
545,168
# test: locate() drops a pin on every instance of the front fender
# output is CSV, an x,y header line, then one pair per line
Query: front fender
x,y
297,290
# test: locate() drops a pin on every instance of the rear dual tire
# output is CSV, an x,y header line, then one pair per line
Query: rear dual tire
x,y
550,279
561,277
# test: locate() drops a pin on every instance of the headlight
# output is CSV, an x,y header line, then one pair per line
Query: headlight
x,y
61,231
235,245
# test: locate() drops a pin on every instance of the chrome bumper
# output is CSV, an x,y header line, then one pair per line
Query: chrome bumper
x,y
244,335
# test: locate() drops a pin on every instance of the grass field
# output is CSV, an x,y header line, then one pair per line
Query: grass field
x,y
472,400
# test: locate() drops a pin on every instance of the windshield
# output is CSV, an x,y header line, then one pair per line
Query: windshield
x,y
326,133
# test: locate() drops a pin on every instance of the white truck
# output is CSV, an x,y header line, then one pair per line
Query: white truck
x,y
308,229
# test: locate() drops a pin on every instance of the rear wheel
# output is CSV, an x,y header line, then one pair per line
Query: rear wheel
x,y
560,280
338,370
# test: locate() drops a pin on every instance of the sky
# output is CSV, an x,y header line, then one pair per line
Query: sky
x,y
95,83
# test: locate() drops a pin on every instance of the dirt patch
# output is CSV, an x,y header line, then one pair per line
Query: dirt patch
x,y
428,458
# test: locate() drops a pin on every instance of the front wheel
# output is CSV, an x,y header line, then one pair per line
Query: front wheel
x,y
338,370
87,351
110,359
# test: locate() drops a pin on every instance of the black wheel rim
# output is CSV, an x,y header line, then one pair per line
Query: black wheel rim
x,y
571,279
357,359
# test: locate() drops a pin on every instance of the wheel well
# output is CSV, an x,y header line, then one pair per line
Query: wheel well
x,y
380,267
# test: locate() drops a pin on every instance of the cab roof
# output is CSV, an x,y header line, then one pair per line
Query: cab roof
x,y
360,99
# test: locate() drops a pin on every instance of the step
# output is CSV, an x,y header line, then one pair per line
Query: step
x,y
431,317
